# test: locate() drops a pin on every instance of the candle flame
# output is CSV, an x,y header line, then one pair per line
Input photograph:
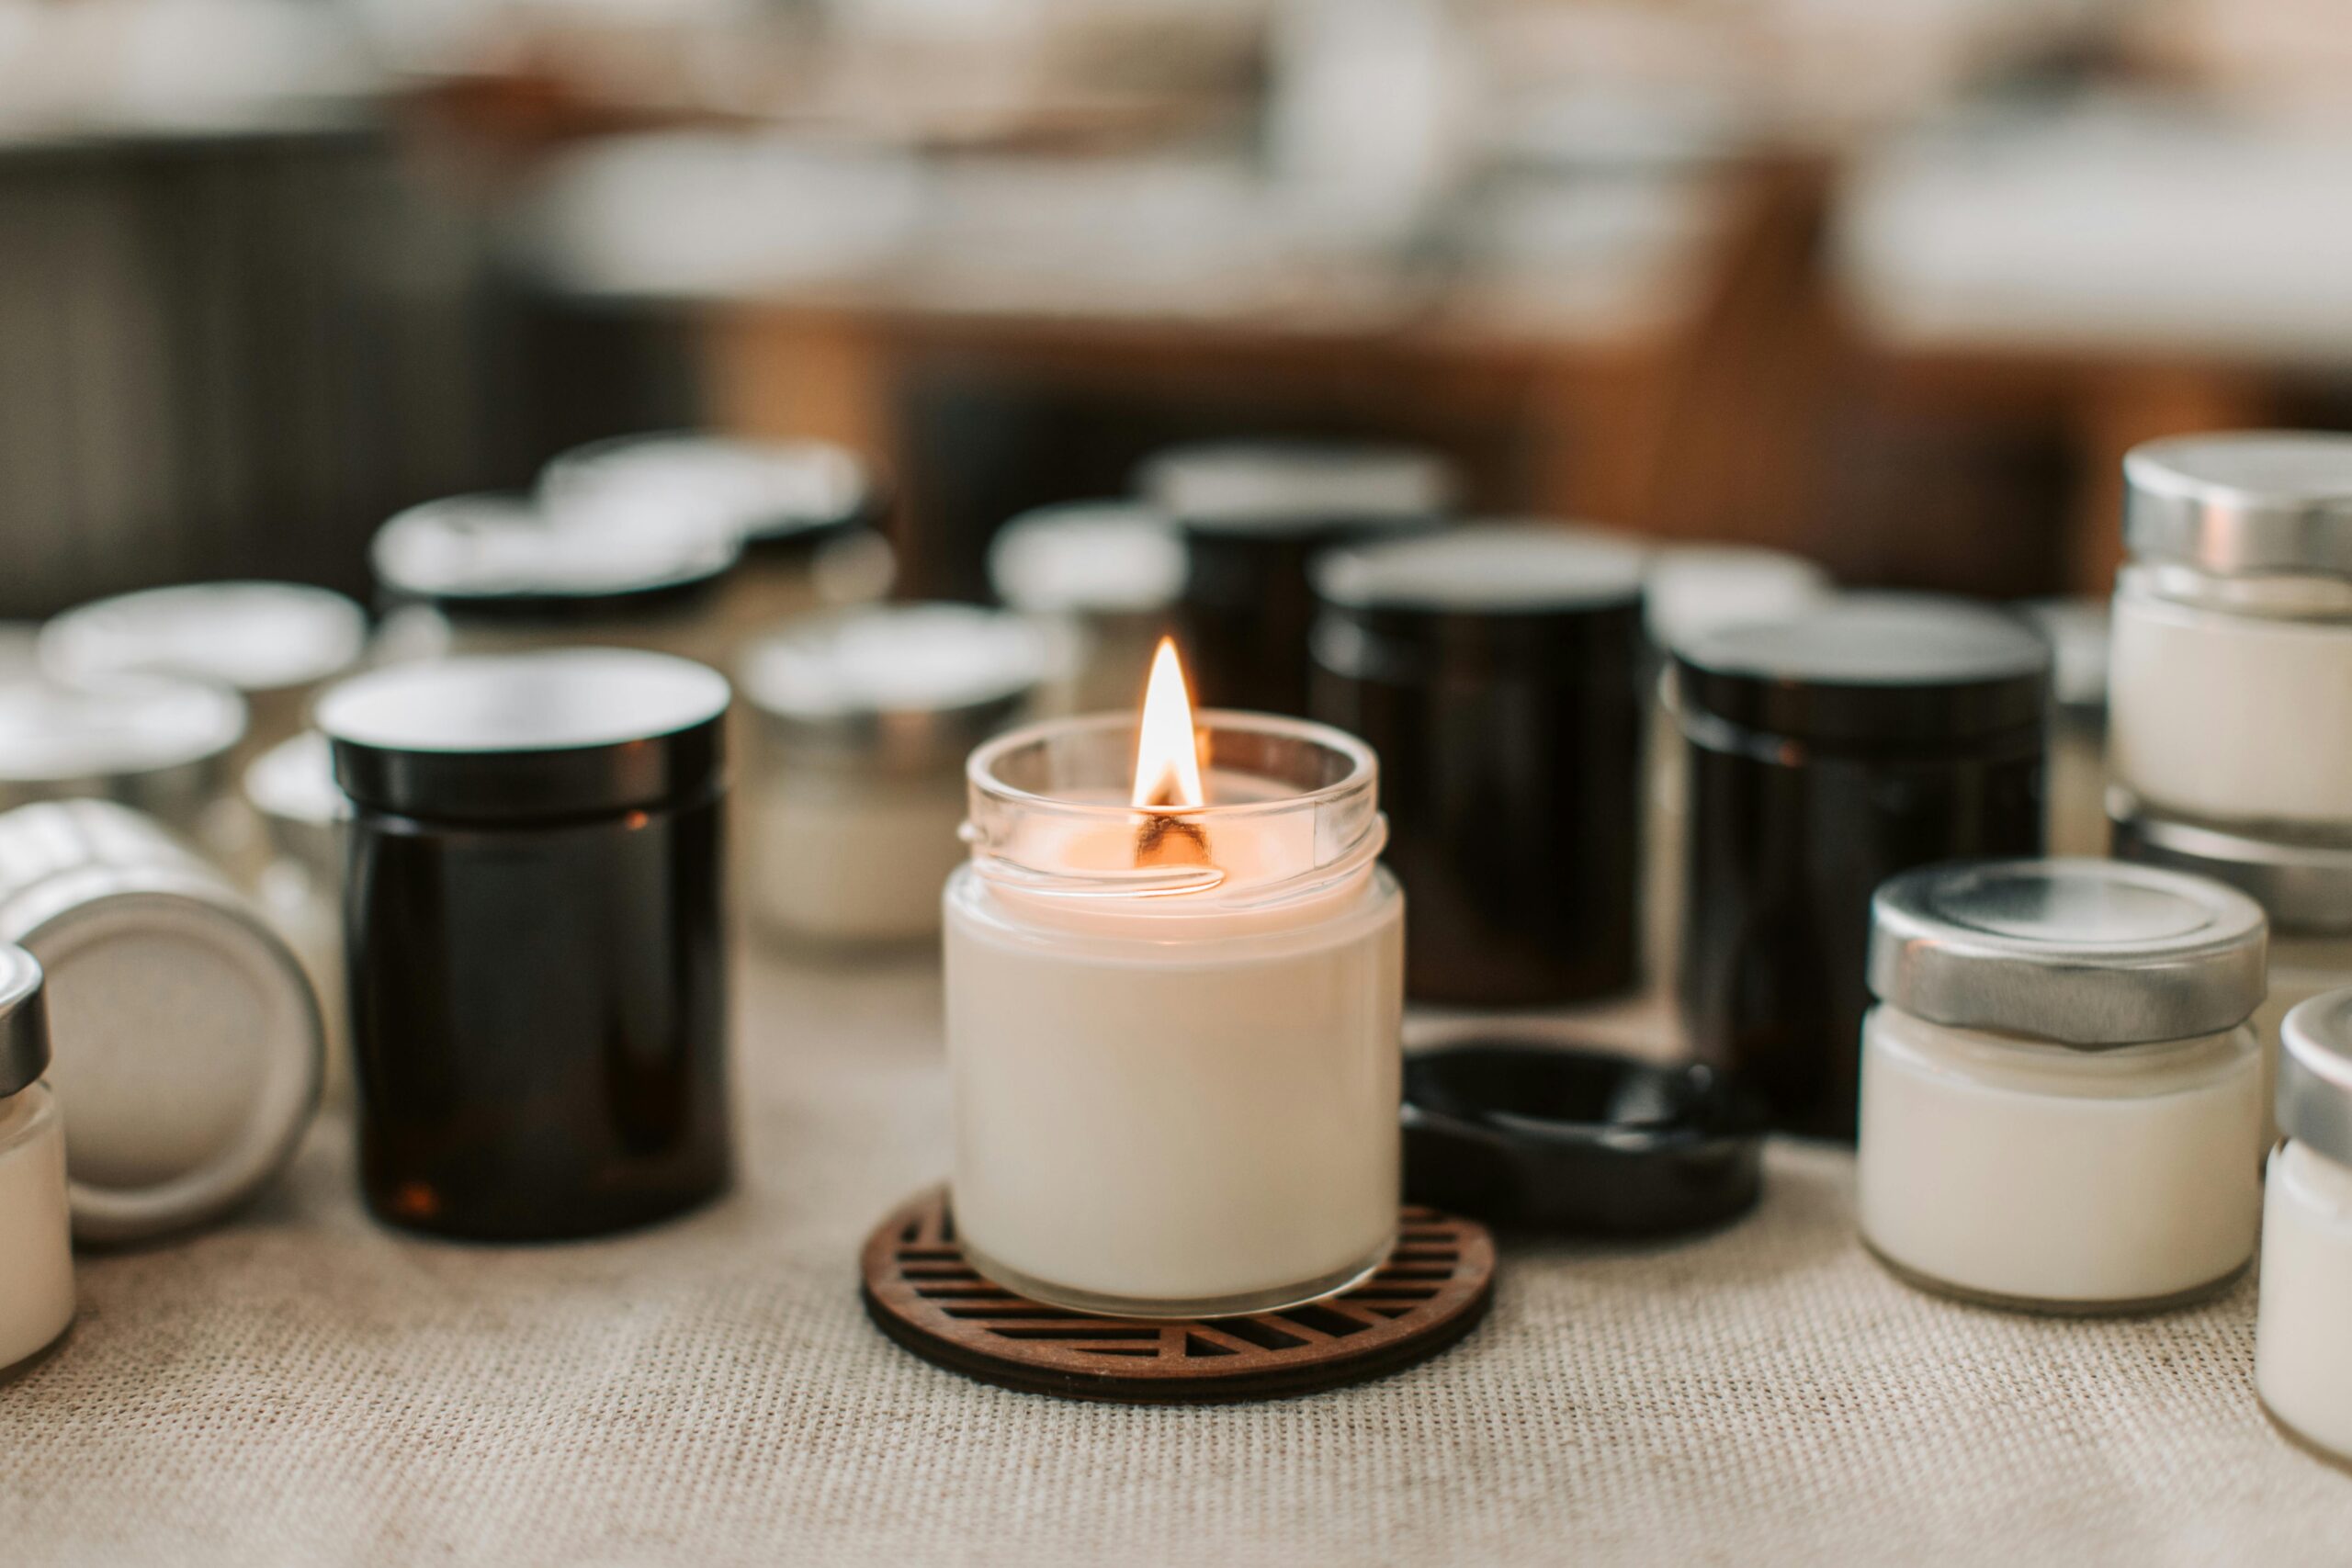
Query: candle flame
x,y
1168,754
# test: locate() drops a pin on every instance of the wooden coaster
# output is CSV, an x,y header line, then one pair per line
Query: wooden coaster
x,y
921,1292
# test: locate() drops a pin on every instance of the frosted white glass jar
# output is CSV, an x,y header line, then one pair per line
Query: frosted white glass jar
x,y
36,1233
2233,636
862,721
2302,1357
2060,1096
1175,1084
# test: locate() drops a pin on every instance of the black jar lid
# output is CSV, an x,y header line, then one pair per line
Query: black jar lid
x,y
1579,1142
1873,668
528,737
1478,597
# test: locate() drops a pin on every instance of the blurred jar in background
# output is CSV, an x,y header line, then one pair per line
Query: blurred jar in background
x,y
2076,631
805,514
303,813
158,743
496,574
1105,576
863,720
1496,668
1254,515
1694,591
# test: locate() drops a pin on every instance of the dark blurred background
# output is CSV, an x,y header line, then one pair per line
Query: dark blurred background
x,y
1891,284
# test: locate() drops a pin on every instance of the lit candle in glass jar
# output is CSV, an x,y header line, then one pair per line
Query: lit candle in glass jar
x,y
1174,993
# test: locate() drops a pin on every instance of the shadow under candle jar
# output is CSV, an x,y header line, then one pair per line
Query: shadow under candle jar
x,y
1173,1035
535,956
1497,670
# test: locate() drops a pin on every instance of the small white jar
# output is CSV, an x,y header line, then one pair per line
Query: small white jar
x,y
2060,1094
2302,1357
1106,576
35,1229
2232,636
862,721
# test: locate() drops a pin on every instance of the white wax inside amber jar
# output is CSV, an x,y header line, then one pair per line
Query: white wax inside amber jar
x,y
2033,1173
2303,1356
37,1276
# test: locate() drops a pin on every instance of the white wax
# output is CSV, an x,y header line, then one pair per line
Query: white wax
x,y
2231,717
1164,1119
2035,1173
35,1241
852,859
2303,1356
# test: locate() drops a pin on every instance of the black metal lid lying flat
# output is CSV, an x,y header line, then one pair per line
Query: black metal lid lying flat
x,y
527,736
24,1022
1579,1142
1873,668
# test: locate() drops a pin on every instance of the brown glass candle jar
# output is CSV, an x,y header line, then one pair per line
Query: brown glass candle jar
x,y
1829,751
1496,670
537,976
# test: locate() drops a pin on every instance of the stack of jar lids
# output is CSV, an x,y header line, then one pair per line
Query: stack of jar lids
x,y
896,687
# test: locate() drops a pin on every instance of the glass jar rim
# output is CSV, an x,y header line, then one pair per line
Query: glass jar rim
x,y
1362,770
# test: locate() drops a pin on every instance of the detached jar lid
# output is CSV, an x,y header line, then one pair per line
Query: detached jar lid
x,y
2306,888
188,1042
897,685
775,496
1088,557
502,556
1282,487
2314,1100
62,738
2083,953
2242,502
251,636
24,1022
1873,668
528,737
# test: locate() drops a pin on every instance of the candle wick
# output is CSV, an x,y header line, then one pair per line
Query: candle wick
x,y
1162,839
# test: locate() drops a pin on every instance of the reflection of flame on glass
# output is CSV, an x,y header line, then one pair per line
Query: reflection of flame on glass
x,y
1168,768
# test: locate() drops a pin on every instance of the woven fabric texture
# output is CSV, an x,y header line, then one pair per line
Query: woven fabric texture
x,y
302,1387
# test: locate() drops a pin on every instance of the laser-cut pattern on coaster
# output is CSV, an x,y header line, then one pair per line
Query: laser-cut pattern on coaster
x,y
921,1292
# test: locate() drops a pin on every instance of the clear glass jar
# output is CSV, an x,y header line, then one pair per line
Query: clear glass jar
x,y
2303,1359
2234,631
35,1224
1173,1034
2074,1129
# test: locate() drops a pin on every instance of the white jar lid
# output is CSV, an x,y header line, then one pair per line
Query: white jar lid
x,y
2084,952
1282,487
1088,557
496,554
251,636
97,737
2242,502
2315,1074
188,1040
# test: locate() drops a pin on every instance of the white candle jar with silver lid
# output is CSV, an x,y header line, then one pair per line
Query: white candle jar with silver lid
x,y
863,722
1105,576
2306,888
805,512
497,574
188,1035
2060,1092
2232,640
2302,1357
159,743
36,1236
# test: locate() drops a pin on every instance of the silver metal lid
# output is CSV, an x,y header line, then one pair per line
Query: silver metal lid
x,y
61,738
1089,557
189,1040
897,685
2242,502
497,549
1275,486
2314,1093
251,636
24,1022
2083,953
292,787
2306,888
